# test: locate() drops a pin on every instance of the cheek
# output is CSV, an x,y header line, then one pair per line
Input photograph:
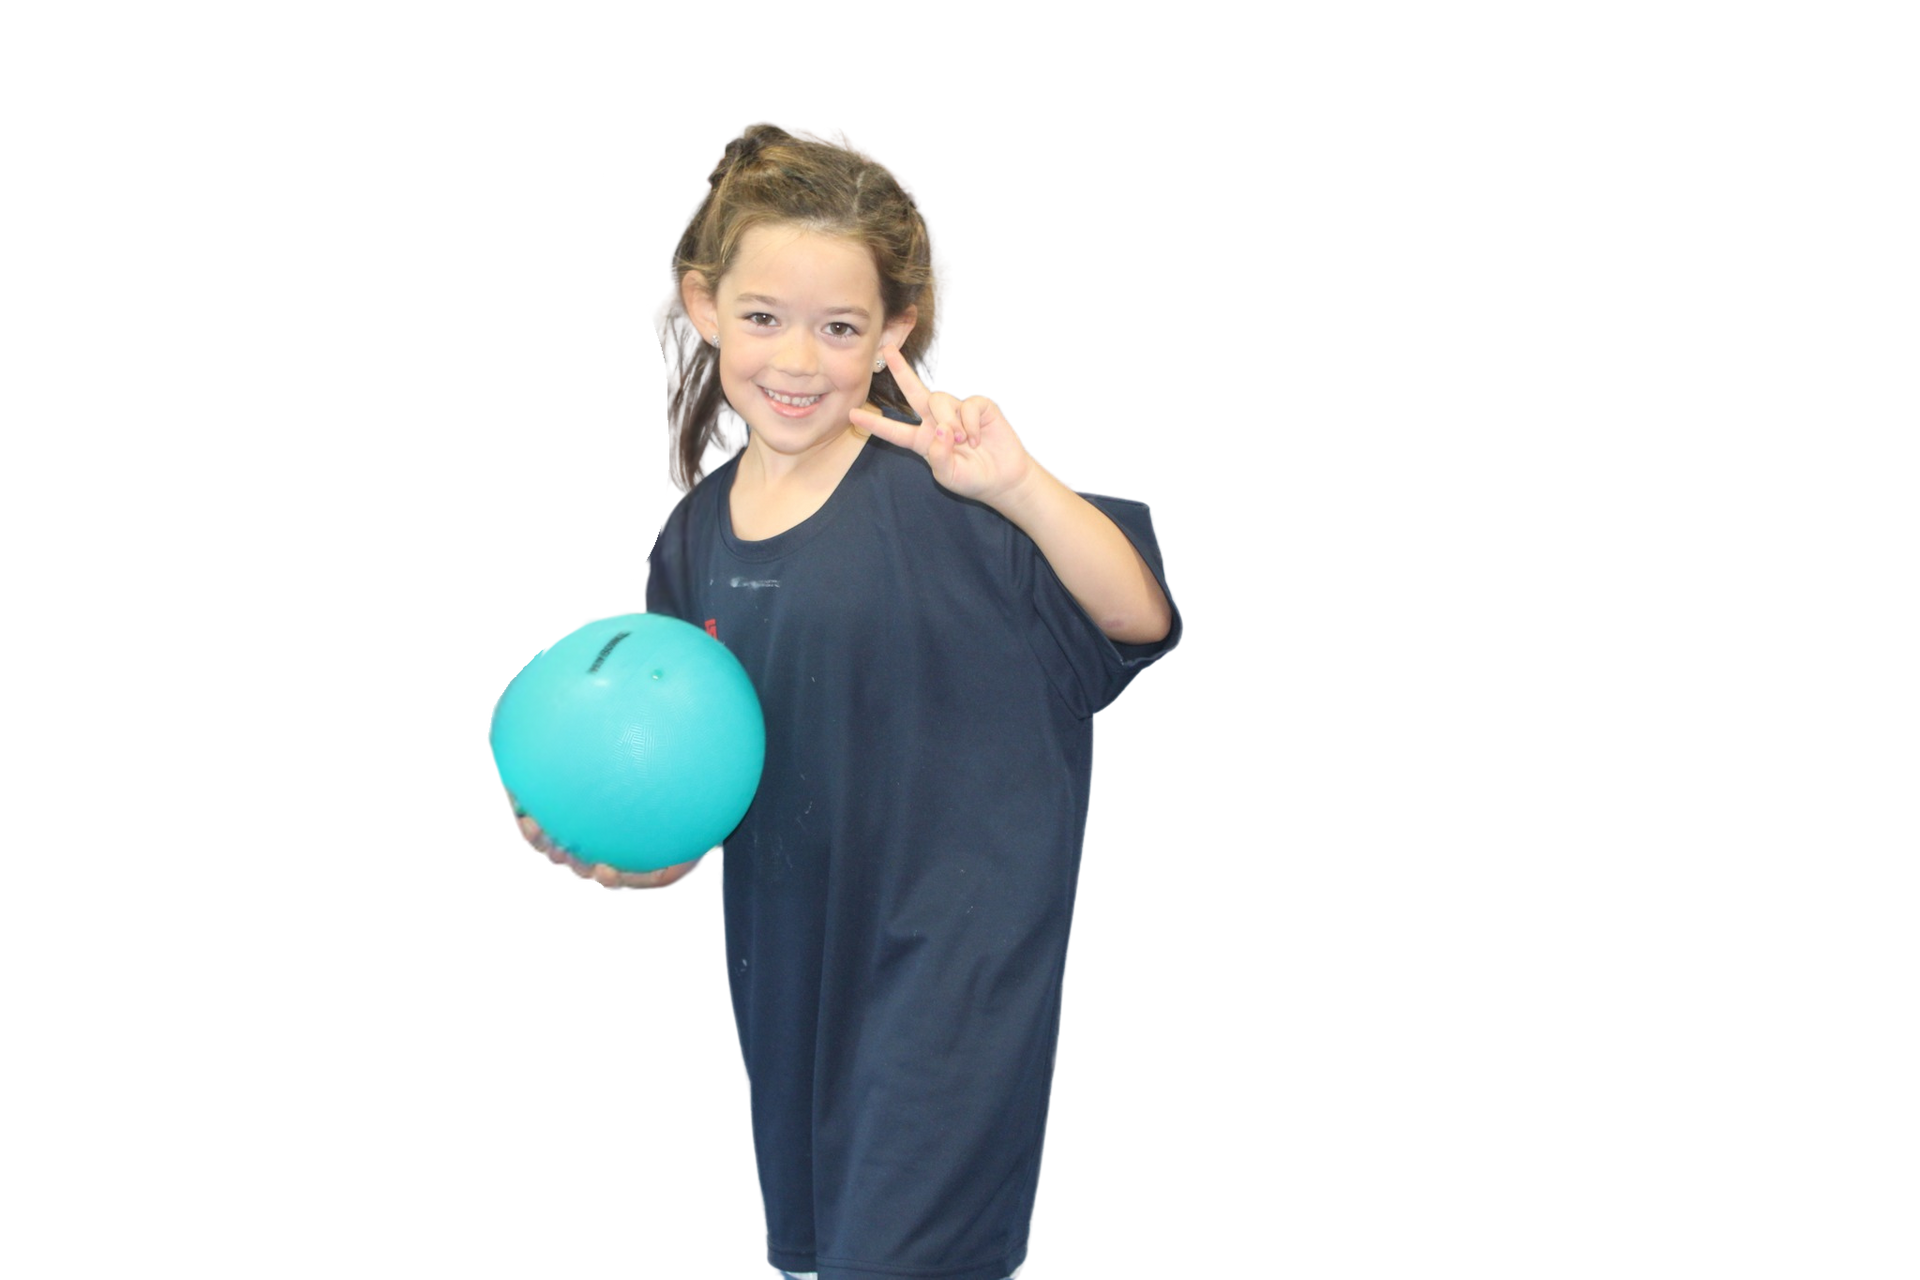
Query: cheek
x,y
735,367
736,384
854,369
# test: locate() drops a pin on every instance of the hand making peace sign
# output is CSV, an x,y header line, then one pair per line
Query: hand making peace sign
x,y
968,443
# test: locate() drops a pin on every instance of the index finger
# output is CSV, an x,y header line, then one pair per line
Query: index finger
x,y
909,382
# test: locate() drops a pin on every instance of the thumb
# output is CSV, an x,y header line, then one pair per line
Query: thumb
x,y
886,428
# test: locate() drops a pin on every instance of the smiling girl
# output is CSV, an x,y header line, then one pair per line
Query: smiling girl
x,y
931,620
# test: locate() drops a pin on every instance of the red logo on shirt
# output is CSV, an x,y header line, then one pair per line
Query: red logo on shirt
x,y
712,629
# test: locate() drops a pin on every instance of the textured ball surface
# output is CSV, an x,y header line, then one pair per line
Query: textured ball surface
x,y
636,741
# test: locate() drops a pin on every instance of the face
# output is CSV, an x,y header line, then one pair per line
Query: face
x,y
800,325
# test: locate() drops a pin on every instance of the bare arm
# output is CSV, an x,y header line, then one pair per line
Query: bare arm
x,y
1095,561
974,452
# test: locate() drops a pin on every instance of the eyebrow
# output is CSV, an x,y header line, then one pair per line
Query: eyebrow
x,y
830,311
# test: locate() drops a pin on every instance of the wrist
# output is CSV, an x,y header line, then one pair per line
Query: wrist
x,y
1022,500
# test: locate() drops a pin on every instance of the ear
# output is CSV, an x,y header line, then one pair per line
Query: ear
x,y
898,327
697,297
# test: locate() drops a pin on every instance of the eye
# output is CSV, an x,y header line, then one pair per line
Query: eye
x,y
841,329
760,319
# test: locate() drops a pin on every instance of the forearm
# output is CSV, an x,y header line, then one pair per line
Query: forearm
x,y
1096,562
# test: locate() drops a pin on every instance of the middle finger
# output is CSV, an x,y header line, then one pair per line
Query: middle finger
x,y
944,411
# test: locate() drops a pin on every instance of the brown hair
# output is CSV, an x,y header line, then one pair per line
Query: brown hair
x,y
770,176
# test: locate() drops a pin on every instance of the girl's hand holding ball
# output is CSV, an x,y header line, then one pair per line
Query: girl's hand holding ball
x,y
598,872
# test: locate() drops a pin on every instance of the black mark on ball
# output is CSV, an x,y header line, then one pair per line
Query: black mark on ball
x,y
606,649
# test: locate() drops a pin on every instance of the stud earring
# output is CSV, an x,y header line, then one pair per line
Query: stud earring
x,y
878,365
714,338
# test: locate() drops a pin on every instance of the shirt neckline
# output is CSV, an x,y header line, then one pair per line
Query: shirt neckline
x,y
799,534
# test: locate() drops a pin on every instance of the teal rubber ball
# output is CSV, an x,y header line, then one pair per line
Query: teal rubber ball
x,y
636,741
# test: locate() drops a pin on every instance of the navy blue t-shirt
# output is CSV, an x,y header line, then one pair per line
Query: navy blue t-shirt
x,y
899,894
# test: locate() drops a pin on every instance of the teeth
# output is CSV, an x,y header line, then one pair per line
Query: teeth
x,y
792,400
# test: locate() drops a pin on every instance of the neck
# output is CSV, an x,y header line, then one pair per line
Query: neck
x,y
824,462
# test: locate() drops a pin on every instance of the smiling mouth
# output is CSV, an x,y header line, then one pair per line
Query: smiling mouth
x,y
798,402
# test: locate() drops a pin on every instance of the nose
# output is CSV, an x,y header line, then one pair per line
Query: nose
x,y
796,354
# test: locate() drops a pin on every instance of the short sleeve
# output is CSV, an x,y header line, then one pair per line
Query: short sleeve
x,y
666,568
1086,668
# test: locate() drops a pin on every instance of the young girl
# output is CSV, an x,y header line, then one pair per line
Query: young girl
x,y
931,620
